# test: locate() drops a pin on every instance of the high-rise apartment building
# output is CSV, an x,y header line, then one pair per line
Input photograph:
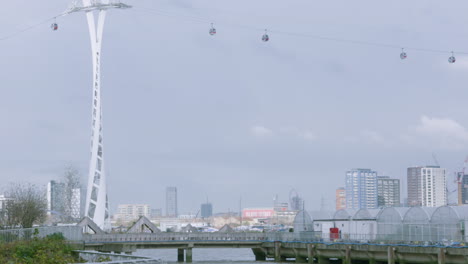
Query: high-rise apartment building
x,y
462,188
55,201
340,197
130,212
427,186
388,191
171,202
63,201
206,210
361,189
4,203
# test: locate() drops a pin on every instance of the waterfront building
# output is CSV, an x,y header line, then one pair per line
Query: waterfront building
x,y
206,210
340,197
171,202
388,191
462,188
256,213
427,186
361,189
130,212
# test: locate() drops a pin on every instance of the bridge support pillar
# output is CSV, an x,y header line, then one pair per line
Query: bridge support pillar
x,y
441,256
277,251
391,255
259,254
347,258
310,253
188,255
180,255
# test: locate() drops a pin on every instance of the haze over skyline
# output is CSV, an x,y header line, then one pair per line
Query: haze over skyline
x,y
230,116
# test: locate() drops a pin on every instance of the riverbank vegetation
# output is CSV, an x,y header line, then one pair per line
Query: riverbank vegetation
x,y
52,249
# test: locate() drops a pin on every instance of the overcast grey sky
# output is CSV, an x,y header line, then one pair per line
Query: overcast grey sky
x,y
229,116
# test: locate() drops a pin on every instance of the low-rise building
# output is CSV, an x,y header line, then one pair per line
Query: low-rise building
x,y
258,213
130,212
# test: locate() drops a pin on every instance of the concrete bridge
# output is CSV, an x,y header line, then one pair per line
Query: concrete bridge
x,y
306,247
279,247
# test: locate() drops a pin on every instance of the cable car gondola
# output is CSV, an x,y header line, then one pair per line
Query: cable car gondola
x,y
212,30
54,26
265,37
452,59
403,54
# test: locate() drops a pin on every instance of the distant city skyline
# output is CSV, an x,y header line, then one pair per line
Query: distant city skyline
x,y
230,116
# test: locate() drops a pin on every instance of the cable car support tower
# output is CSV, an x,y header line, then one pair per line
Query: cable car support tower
x,y
97,206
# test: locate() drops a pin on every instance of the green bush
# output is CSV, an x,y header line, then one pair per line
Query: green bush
x,y
52,249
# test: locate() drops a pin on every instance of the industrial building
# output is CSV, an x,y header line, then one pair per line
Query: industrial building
x,y
423,224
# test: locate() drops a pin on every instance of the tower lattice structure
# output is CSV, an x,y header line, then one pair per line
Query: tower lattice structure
x,y
97,202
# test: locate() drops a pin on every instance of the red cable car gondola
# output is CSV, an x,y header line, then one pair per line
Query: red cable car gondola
x,y
403,54
54,26
265,37
212,30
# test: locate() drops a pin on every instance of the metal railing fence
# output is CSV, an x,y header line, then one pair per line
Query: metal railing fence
x,y
306,237
75,234
71,233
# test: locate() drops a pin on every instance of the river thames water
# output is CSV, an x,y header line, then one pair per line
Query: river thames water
x,y
204,255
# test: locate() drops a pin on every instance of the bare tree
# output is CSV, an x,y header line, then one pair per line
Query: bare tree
x,y
29,206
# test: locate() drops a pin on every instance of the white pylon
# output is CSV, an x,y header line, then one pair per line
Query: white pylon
x,y
97,205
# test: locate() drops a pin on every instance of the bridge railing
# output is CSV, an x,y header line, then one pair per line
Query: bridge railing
x,y
173,237
71,233
168,237
260,237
